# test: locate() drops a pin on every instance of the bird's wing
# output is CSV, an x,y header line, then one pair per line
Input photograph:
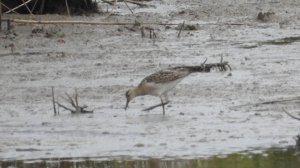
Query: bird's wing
x,y
167,75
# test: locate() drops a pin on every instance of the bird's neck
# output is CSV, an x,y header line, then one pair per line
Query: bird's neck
x,y
139,91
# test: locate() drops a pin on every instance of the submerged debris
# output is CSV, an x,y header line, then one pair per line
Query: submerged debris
x,y
265,16
188,27
74,103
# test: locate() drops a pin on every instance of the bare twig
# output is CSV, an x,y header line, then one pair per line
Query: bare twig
x,y
42,6
74,103
27,8
67,6
76,98
66,108
0,15
17,7
53,101
34,5
70,100
128,7
204,62
8,8
143,31
270,102
180,30
289,114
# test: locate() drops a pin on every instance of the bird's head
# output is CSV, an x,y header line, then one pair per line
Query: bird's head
x,y
130,94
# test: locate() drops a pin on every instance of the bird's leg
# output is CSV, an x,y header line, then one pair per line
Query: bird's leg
x,y
163,105
153,107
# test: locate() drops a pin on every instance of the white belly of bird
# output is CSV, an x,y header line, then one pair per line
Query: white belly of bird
x,y
161,88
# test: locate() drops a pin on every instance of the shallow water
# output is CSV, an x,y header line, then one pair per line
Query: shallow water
x,y
272,158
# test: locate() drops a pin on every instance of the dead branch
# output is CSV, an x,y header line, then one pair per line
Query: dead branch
x,y
53,101
66,108
128,7
143,31
17,7
289,114
67,6
8,7
182,25
27,8
0,15
270,102
76,97
74,103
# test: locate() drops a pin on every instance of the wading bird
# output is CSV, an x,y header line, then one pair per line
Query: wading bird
x,y
159,83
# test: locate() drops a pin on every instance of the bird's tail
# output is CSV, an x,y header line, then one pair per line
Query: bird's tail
x,y
222,66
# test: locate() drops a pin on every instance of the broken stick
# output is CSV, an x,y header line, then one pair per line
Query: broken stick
x,y
180,30
289,114
53,101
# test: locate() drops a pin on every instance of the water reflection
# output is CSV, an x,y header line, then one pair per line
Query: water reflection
x,y
269,159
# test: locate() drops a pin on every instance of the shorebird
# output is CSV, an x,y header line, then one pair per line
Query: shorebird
x,y
159,83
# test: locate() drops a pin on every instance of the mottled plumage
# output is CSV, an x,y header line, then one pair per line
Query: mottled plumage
x,y
165,76
159,83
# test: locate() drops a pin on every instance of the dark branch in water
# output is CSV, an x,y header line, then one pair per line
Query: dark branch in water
x,y
74,103
289,114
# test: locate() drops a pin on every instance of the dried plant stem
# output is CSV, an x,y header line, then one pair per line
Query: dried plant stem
x,y
53,101
128,7
27,8
17,7
180,30
289,114
0,15
67,6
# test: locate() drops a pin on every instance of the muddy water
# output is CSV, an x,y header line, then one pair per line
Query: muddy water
x,y
273,158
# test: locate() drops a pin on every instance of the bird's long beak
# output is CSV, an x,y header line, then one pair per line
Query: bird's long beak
x,y
127,102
